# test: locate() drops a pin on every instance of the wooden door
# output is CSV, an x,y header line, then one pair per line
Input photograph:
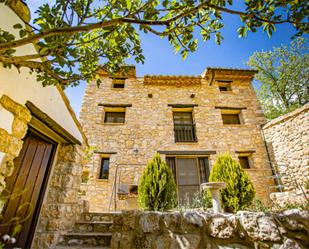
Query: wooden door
x,y
25,188
187,179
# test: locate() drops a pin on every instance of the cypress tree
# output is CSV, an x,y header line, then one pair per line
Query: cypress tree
x,y
157,188
239,192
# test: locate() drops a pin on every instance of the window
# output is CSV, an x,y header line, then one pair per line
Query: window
x,y
114,117
118,82
184,129
224,85
104,171
223,89
244,162
189,173
230,118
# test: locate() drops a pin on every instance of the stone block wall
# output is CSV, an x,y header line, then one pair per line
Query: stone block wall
x,y
288,142
201,230
149,127
62,205
12,132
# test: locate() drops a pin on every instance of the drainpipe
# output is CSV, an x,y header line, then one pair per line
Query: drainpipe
x,y
269,160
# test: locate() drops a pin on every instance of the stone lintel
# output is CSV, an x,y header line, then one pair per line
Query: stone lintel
x,y
52,124
187,152
244,151
182,105
230,108
114,105
104,152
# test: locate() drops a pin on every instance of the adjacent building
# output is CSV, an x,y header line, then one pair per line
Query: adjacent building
x,y
41,151
189,120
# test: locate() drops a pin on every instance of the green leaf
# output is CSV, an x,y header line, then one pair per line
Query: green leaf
x,y
22,33
17,26
129,4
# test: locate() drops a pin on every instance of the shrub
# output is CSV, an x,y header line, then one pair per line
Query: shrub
x,y
239,192
157,188
201,200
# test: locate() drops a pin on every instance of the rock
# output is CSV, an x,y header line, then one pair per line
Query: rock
x,y
171,220
192,218
259,226
163,241
188,241
221,226
290,244
75,242
149,222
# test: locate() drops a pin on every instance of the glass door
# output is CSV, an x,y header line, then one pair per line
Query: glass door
x,y
187,179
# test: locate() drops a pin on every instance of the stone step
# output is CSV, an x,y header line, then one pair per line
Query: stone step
x,y
81,247
87,239
102,216
93,226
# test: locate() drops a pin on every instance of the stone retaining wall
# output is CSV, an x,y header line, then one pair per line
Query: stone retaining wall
x,y
200,230
288,142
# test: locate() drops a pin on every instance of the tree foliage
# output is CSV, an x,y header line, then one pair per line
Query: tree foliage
x,y
74,37
284,76
157,188
239,191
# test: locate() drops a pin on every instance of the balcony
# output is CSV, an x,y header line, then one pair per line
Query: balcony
x,y
185,133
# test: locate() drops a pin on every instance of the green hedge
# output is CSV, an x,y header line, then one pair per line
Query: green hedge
x,y
157,188
239,192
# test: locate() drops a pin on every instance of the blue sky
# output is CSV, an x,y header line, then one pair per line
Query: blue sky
x,y
161,59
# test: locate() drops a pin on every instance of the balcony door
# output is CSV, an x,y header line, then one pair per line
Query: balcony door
x,y
187,178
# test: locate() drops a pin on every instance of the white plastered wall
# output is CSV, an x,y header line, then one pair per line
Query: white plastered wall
x,y
22,86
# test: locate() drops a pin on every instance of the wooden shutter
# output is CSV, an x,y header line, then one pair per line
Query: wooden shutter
x,y
171,162
204,169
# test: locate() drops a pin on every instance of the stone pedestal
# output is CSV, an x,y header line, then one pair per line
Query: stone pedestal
x,y
214,188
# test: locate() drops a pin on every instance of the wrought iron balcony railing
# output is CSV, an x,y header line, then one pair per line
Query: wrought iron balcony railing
x,y
185,133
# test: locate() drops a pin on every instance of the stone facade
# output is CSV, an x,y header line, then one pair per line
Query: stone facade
x,y
11,138
149,127
200,230
288,142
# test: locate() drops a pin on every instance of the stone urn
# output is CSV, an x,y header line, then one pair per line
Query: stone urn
x,y
214,188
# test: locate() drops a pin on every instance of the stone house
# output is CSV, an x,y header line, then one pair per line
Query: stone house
x,y
41,151
189,120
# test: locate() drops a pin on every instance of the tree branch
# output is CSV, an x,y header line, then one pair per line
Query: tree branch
x,y
117,21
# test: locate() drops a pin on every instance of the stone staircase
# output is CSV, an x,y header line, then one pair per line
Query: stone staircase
x,y
92,231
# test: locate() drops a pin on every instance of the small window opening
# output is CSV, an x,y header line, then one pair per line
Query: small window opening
x,y
114,117
118,83
225,86
230,118
244,162
104,171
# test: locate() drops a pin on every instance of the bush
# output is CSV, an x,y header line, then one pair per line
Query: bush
x,y
157,188
239,192
201,200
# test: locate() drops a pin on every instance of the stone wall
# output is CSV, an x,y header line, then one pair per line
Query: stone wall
x,y
11,137
149,127
62,205
288,142
200,230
